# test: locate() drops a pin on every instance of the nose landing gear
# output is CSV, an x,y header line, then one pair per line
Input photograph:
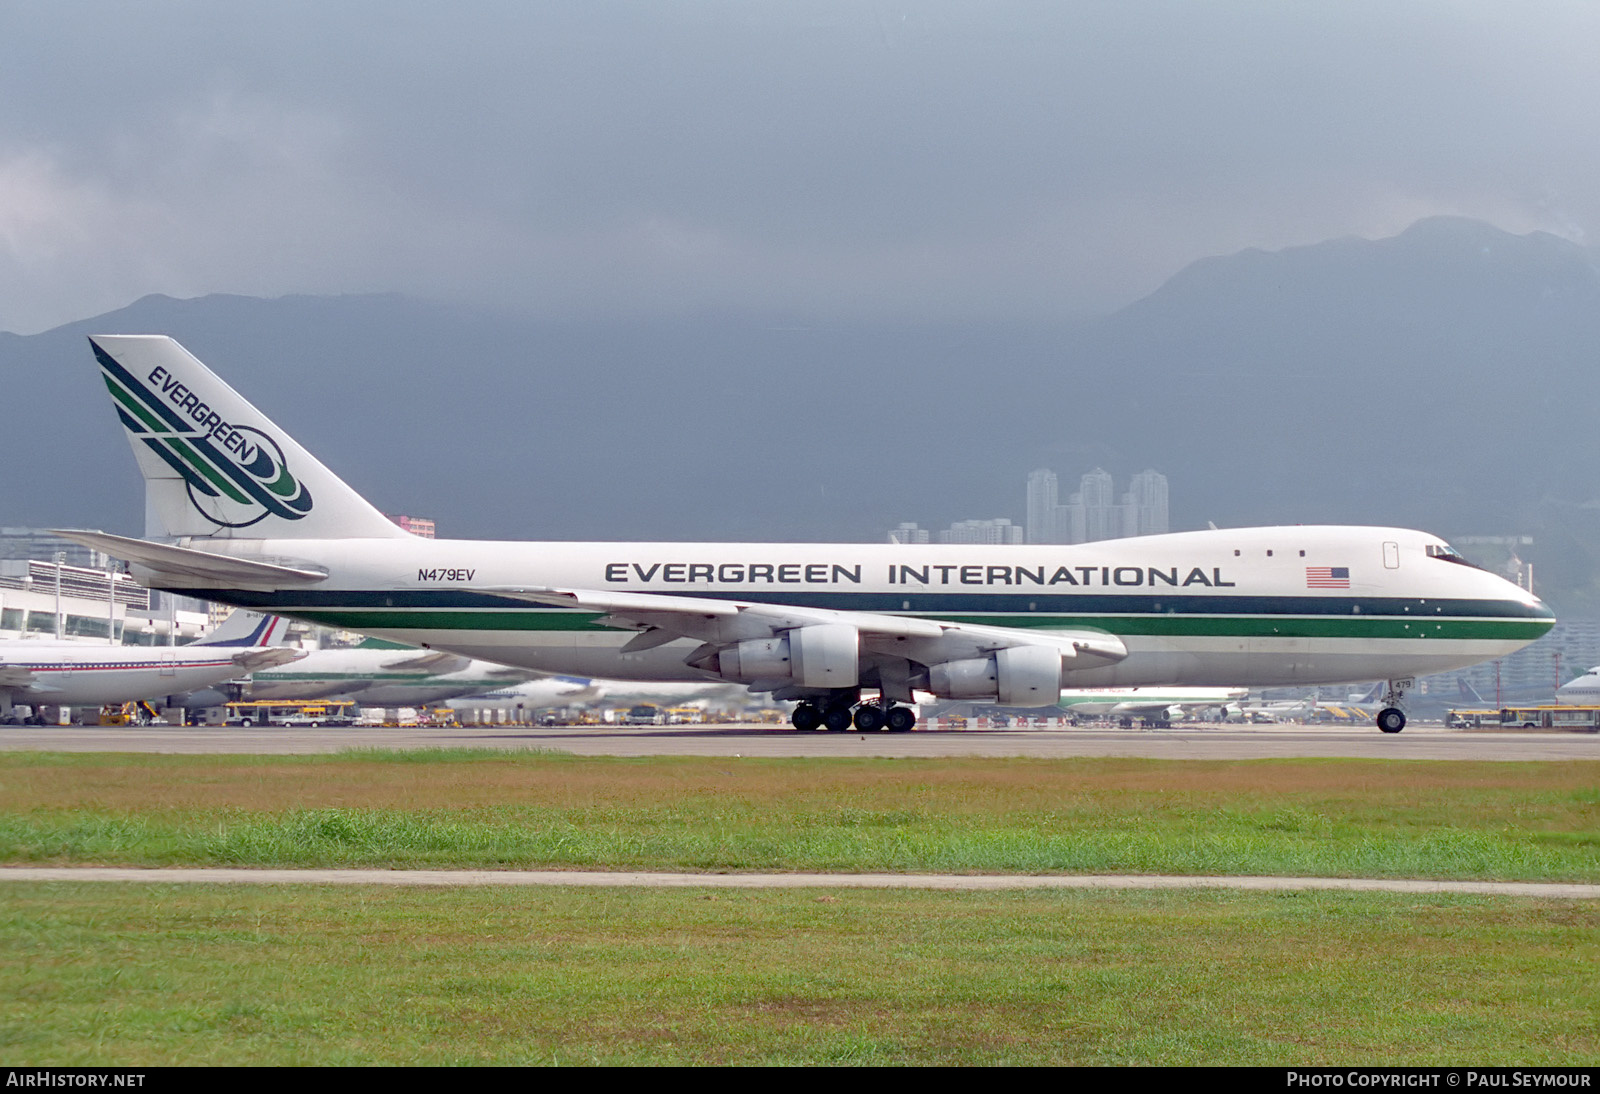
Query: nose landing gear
x,y
1391,719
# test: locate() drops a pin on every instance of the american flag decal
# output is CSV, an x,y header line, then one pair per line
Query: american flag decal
x,y
1327,577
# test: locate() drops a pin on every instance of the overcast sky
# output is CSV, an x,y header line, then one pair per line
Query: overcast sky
x,y
821,160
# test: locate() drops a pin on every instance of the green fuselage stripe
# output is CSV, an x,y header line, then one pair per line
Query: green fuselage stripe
x,y
444,619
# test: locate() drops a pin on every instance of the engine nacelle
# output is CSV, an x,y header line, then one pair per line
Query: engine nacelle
x,y
756,659
1020,676
827,655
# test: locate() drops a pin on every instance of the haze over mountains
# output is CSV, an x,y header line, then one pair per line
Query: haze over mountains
x,y
1445,378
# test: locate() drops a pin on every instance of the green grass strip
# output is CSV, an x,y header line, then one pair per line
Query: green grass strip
x,y
150,975
1331,818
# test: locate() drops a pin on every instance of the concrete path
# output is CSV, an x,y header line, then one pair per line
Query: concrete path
x,y
626,879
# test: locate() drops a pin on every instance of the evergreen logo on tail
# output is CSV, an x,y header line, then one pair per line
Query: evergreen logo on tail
x,y
236,475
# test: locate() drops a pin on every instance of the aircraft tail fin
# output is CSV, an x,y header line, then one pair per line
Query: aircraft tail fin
x,y
214,466
245,628
1468,693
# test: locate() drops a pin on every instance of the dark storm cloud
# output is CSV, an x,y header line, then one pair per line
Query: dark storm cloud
x,y
1027,160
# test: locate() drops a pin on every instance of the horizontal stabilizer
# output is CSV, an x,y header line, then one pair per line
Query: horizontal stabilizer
x,y
16,677
187,565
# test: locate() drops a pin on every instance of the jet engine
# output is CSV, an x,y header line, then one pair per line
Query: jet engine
x,y
1019,676
827,655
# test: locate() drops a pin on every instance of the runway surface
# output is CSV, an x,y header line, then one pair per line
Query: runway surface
x,y
1187,743
636,880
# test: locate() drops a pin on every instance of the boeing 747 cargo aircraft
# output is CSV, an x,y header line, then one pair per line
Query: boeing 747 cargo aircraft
x,y
245,515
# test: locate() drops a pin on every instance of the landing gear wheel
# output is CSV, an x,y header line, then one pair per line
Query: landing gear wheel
x,y
869,719
805,718
900,719
1391,720
837,719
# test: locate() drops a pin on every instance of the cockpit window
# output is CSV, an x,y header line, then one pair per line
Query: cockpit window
x,y
1449,554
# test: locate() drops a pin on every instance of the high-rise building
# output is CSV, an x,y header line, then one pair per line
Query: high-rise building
x,y
1043,519
1096,511
999,530
1101,520
1148,495
908,532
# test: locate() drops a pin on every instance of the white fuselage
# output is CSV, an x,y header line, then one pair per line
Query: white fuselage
x,y
82,674
1581,692
1236,608
1118,702
554,691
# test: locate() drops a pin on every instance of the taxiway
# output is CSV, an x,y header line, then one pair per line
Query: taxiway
x,y
1188,743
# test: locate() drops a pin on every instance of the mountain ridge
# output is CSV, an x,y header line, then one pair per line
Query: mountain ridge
x,y
1443,378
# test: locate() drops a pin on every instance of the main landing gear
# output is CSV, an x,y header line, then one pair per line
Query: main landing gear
x,y
867,717
1391,719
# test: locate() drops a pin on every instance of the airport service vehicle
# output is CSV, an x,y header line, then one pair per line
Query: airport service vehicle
x,y
314,713
1551,716
1471,718
126,714
245,515
57,674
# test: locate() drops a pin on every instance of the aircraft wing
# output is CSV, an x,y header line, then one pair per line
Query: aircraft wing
x,y
434,662
255,658
661,618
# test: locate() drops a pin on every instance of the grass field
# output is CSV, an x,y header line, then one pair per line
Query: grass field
x,y
1537,822
149,974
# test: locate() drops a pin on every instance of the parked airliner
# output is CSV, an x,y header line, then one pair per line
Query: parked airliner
x,y
544,692
1581,691
1161,704
65,674
383,675
247,516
